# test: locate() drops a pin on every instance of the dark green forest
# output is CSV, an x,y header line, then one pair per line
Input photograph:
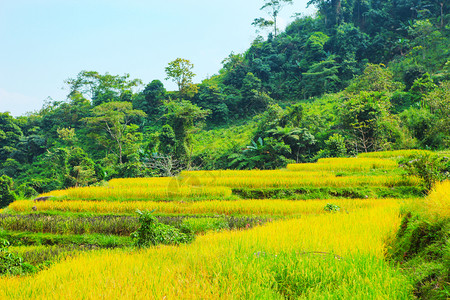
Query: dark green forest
x,y
360,76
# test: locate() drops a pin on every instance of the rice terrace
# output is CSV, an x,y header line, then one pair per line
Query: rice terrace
x,y
225,242
257,149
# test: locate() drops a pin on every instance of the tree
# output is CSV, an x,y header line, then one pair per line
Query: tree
x,y
331,10
102,88
81,169
211,96
110,126
313,50
376,78
10,135
367,117
182,116
253,98
321,78
180,72
167,140
151,98
273,8
439,104
299,140
6,194
262,154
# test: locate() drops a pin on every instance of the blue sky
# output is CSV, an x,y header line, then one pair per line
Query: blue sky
x,y
44,42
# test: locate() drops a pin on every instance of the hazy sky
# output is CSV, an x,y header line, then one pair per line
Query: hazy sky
x,y
44,42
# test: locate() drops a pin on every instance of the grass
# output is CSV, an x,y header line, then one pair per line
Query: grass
x,y
122,225
303,252
328,256
212,207
155,193
422,245
88,241
204,185
393,154
348,164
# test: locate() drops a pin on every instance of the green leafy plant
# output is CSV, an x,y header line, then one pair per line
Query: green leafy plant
x,y
332,208
10,263
151,232
429,168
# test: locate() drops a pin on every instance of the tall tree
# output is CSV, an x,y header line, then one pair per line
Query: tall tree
x,y
110,126
273,8
151,98
102,88
180,72
182,116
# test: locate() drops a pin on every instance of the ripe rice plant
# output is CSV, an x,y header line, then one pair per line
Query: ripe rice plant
x,y
303,257
119,193
393,154
141,182
198,185
437,204
345,164
213,207
57,224
304,181
211,176
122,225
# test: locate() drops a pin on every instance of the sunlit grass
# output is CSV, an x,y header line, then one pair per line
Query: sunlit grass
x,y
237,207
437,204
327,256
393,154
119,193
345,164
198,185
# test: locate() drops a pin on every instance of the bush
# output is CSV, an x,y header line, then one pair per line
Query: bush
x,y
10,263
428,167
6,194
332,208
151,232
422,247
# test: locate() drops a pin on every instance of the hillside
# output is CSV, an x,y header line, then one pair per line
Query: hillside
x,y
205,237
361,76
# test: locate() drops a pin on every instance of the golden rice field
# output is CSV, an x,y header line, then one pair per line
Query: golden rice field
x,y
304,253
219,207
200,185
347,164
437,203
393,154
327,256
220,187
116,193
312,181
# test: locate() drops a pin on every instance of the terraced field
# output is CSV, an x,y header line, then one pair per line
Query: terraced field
x,y
313,231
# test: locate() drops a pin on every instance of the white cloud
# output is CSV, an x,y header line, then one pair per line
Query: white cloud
x,y
18,104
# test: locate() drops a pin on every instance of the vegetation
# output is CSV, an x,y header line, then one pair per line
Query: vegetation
x,y
422,244
151,232
299,170
358,77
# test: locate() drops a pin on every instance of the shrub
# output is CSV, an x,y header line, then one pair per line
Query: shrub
x,y
332,208
151,232
10,263
429,168
6,194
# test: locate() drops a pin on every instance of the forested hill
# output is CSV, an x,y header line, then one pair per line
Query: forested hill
x,y
363,75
